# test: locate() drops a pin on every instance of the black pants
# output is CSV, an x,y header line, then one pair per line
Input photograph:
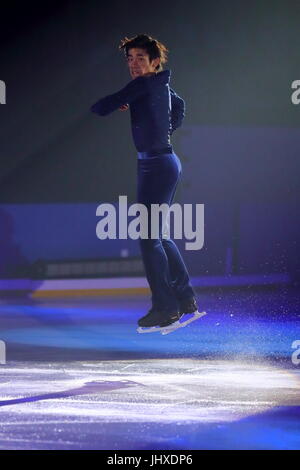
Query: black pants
x,y
166,272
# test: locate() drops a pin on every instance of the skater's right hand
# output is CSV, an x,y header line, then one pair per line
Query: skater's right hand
x,y
124,107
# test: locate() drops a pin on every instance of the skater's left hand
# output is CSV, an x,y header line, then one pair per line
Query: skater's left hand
x,y
124,107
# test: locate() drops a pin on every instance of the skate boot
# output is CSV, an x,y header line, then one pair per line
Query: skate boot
x,y
188,312
188,306
157,320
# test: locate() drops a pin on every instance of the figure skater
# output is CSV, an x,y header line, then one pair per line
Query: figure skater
x,y
156,111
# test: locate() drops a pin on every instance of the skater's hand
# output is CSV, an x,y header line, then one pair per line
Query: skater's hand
x,y
124,107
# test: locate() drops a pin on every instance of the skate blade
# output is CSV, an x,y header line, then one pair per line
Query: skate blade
x,y
150,329
177,325
153,329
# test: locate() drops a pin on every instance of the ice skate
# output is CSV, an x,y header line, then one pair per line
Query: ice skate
x,y
156,321
182,322
186,309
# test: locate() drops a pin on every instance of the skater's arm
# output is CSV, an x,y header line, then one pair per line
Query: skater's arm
x,y
178,110
133,90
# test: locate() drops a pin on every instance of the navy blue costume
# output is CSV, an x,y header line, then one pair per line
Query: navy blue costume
x,y
156,111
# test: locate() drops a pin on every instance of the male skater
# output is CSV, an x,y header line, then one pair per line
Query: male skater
x,y
156,111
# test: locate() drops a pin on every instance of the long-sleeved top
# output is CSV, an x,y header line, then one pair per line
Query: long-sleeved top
x,y
155,109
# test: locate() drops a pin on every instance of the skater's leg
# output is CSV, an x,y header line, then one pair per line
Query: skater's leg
x,y
178,271
179,275
157,178
158,275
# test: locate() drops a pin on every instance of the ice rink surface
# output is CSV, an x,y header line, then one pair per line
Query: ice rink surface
x,y
79,376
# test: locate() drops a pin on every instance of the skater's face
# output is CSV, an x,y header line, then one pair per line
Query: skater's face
x,y
139,63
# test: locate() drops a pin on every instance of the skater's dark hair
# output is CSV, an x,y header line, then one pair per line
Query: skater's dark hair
x,y
153,47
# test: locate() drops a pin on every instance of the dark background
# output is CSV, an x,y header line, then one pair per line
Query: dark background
x,y
232,61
